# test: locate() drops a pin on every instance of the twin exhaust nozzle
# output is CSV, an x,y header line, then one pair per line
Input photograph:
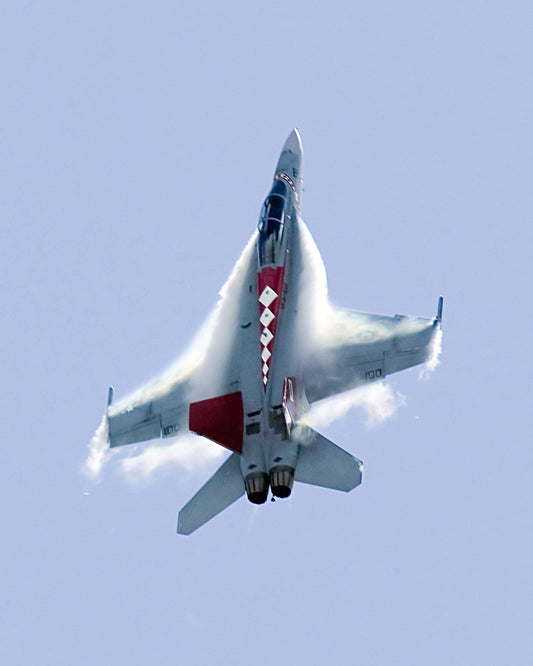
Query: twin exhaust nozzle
x,y
280,481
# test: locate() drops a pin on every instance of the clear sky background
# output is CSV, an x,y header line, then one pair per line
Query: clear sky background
x,y
137,142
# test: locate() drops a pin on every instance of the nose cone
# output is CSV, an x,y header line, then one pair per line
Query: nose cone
x,y
293,144
290,162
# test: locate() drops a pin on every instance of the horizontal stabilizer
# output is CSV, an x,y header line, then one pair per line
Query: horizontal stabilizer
x,y
322,463
223,488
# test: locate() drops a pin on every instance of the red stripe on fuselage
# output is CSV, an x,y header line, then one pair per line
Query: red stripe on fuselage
x,y
270,293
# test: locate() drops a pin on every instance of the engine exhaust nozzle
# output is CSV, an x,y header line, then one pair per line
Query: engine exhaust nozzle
x,y
281,480
257,487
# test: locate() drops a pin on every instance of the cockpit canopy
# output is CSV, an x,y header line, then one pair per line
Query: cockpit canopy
x,y
271,224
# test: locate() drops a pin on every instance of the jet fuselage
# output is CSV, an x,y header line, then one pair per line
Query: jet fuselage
x,y
268,456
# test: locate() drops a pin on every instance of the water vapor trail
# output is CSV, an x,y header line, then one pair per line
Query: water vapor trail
x,y
189,453
202,364
378,401
99,452
203,359
319,326
433,361
324,326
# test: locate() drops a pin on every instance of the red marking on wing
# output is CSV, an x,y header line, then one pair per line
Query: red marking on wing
x,y
220,419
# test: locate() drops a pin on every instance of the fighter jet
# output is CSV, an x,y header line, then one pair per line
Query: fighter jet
x,y
277,347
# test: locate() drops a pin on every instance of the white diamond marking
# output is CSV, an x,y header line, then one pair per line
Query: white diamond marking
x,y
267,296
265,369
267,317
265,380
266,354
266,337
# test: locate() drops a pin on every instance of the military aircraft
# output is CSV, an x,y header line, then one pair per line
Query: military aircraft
x,y
277,347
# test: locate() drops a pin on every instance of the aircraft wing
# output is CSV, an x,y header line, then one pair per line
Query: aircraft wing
x,y
360,348
150,416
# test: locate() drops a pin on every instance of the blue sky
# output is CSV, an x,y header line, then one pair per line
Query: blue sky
x,y
137,143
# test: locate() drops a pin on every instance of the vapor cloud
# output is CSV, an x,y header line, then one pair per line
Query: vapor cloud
x,y
378,401
98,451
204,362
434,356
189,453
203,359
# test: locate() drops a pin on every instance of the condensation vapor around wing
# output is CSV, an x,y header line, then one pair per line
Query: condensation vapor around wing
x,y
189,453
433,361
321,326
378,400
98,451
201,363
203,359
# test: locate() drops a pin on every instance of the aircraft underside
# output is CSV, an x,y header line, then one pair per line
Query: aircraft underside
x,y
289,348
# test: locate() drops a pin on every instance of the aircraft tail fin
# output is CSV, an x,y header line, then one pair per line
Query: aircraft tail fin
x,y
223,488
322,463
